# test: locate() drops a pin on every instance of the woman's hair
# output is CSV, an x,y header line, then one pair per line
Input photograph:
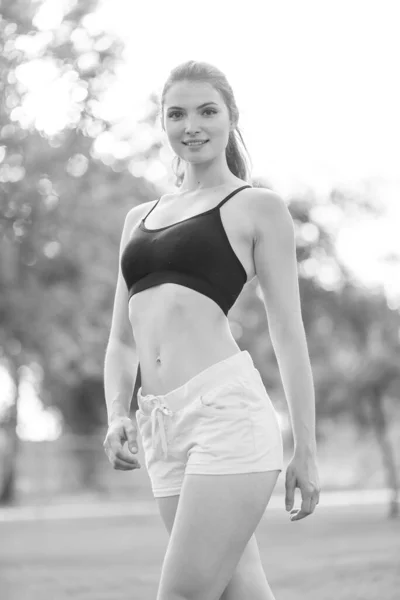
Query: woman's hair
x,y
193,70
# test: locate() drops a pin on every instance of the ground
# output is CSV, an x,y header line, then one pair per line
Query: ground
x,y
338,553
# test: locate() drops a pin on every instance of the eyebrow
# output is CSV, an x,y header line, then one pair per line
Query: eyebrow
x,y
201,105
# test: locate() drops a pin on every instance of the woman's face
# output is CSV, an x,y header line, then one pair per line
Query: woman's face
x,y
185,118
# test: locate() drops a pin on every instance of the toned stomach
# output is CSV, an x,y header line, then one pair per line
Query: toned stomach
x,y
178,333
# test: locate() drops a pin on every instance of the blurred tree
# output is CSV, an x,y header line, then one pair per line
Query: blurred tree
x,y
61,212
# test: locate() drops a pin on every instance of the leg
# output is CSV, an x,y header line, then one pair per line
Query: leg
x,y
248,580
212,549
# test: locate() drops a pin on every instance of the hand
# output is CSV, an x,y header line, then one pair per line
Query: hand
x,y
302,472
121,430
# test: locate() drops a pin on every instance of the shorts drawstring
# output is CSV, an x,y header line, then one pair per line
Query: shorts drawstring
x,y
157,413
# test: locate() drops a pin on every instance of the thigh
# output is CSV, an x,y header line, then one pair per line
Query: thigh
x,y
250,558
167,507
215,519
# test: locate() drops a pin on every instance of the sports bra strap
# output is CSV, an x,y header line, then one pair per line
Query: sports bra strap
x,y
232,194
152,208
218,205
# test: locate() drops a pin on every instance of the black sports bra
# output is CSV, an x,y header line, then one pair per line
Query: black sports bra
x,y
195,253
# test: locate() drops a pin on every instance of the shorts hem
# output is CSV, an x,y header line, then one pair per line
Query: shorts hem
x,y
200,469
166,493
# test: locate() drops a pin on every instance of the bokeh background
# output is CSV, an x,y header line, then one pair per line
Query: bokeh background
x,y
81,144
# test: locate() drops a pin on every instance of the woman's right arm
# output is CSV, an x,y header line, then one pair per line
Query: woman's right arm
x,y
121,359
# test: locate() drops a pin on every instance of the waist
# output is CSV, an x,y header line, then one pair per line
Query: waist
x,y
223,370
180,357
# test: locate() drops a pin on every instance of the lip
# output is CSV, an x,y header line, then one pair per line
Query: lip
x,y
187,141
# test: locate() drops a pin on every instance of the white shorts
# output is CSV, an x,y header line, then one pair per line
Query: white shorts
x,y
221,421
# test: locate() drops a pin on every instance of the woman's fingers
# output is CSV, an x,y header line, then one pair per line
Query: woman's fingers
x,y
130,432
122,465
307,507
119,462
119,455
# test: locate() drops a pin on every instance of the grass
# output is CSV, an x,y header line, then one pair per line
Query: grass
x,y
347,553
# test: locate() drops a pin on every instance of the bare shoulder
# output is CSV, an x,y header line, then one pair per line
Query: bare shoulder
x,y
266,200
136,214
268,210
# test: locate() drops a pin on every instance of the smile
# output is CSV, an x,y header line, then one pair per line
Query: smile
x,y
198,143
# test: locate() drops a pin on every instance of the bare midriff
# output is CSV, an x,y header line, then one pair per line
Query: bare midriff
x,y
178,333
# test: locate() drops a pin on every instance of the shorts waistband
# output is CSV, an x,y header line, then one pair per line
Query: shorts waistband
x,y
224,369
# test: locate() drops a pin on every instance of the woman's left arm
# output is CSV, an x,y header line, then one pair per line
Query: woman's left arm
x,y
276,268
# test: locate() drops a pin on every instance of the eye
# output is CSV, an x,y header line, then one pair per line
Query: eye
x,y
179,112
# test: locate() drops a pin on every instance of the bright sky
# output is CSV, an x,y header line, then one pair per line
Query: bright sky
x,y
315,81
316,84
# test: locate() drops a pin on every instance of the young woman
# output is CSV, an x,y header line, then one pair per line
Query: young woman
x,y
210,434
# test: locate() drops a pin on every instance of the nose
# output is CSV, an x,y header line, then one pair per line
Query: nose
x,y
191,126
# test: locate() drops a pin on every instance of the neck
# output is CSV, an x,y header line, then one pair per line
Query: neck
x,y
200,187
207,176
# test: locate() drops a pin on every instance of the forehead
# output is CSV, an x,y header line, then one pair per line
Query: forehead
x,y
191,94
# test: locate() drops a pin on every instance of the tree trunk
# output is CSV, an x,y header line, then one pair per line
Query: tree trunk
x,y
379,424
9,444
